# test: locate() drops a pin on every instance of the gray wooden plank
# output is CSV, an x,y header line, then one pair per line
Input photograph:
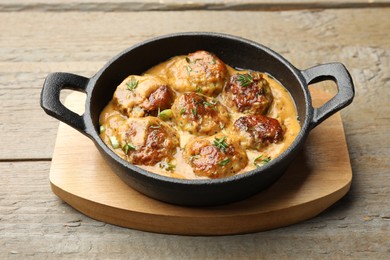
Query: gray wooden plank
x,y
177,5
35,44
28,132
34,223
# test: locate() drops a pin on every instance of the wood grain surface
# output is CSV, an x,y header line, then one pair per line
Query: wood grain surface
x,y
34,223
176,5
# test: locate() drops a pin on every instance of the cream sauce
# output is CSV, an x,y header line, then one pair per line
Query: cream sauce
x,y
282,108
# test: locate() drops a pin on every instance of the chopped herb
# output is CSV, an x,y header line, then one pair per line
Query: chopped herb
x,y
198,90
127,147
132,84
194,111
188,60
189,69
193,157
261,159
224,162
167,166
102,128
245,79
165,114
213,61
114,142
210,104
221,144
182,111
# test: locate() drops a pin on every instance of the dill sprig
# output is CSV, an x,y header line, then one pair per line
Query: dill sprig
x,y
245,79
128,147
132,84
261,159
224,162
221,144
169,167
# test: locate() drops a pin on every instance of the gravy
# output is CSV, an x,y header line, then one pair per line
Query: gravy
x,y
282,108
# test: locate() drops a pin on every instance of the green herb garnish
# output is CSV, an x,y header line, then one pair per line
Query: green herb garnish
x,y
182,111
194,111
261,159
132,84
193,157
224,162
210,104
189,69
245,79
221,144
128,147
188,60
167,166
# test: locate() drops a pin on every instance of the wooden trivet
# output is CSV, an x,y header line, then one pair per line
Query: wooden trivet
x,y
319,177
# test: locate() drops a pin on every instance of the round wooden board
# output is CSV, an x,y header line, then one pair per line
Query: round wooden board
x,y
319,177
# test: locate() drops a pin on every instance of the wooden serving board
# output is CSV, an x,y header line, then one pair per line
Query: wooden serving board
x,y
319,177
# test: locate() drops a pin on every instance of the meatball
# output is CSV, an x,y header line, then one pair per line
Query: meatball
x,y
199,115
248,93
215,157
201,71
139,96
258,131
147,141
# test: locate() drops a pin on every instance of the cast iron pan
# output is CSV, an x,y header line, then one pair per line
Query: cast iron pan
x,y
235,51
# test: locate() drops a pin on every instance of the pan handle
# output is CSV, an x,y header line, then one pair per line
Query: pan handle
x,y
346,91
50,98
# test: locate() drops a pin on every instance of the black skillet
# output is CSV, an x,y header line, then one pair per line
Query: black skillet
x,y
235,51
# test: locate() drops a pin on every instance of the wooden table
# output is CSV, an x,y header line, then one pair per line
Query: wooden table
x,y
79,36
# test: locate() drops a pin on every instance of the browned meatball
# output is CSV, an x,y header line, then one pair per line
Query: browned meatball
x,y
201,71
139,96
248,93
146,141
199,115
162,98
215,157
258,131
